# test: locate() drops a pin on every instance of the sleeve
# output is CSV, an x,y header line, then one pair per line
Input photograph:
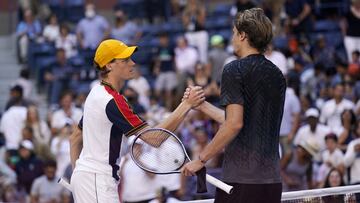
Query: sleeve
x,y
296,105
232,87
123,117
349,155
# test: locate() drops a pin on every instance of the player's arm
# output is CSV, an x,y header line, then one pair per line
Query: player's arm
x,y
76,145
212,111
226,133
196,97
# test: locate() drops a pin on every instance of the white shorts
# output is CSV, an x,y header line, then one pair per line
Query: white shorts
x,y
94,188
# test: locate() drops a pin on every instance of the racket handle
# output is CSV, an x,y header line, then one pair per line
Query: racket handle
x,y
219,184
65,184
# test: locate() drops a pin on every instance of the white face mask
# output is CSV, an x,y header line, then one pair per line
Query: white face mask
x,y
90,13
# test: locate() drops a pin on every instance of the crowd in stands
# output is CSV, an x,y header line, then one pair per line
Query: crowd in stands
x,y
181,42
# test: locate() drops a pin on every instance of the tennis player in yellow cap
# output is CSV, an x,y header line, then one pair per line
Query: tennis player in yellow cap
x,y
95,145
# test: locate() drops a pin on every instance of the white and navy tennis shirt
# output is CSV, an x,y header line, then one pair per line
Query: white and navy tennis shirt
x,y
107,117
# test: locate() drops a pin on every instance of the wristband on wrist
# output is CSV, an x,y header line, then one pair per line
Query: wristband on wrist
x,y
202,161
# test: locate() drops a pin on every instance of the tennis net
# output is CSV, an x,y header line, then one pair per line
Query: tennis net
x,y
344,194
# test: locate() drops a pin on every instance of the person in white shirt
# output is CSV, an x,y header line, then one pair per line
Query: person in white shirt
x,y
51,31
290,120
352,156
277,58
66,41
312,129
46,188
11,125
332,109
132,177
332,157
95,146
142,87
25,82
60,148
66,114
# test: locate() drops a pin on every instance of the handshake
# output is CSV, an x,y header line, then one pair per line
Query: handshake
x,y
194,96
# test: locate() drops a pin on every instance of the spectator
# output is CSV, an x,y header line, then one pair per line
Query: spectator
x,y
132,176
351,28
52,31
92,29
335,179
60,148
210,87
46,188
322,53
346,131
16,97
12,122
156,112
277,58
241,5
297,166
194,17
164,69
298,17
217,57
341,73
125,30
332,109
142,88
27,30
59,77
351,159
66,114
312,130
25,82
290,121
133,99
39,127
186,58
66,41
332,157
29,166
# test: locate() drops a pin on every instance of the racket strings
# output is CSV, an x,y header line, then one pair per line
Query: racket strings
x,y
158,151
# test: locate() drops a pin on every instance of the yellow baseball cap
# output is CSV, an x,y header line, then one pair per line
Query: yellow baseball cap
x,y
112,49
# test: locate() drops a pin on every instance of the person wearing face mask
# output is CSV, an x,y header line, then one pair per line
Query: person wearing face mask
x,y
46,189
92,29
125,30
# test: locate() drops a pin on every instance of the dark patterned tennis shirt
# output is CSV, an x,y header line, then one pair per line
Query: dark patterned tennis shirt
x,y
257,84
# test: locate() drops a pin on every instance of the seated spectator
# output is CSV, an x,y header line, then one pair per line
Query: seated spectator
x,y
335,179
296,167
312,130
92,29
277,58
29,166
66,114
332,157
194,18
125,30
201,136
345,133
322,53
186,58
164,69
46,188
133,99
142,88
59,77
66,41
352,159
25,82
27,30
51,30
217,57
16,97
332,109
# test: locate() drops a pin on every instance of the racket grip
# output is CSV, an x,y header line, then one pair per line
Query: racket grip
x,y
65,184
219,184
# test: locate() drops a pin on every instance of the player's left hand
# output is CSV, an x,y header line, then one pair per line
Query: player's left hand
x,y
191,168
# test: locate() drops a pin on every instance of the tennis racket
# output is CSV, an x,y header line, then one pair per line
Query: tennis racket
x,y
159,151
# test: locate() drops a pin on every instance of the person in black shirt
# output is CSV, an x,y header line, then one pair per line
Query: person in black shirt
x,y
253,94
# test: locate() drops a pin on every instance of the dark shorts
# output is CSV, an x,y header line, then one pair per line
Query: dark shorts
x,y
250,193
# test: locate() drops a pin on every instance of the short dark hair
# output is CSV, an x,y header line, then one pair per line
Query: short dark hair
x,y
50,163
257,27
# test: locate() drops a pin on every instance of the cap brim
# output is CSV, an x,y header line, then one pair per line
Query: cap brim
x,y
127,53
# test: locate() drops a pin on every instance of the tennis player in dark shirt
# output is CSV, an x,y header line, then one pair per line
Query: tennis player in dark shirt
x,y
253,93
